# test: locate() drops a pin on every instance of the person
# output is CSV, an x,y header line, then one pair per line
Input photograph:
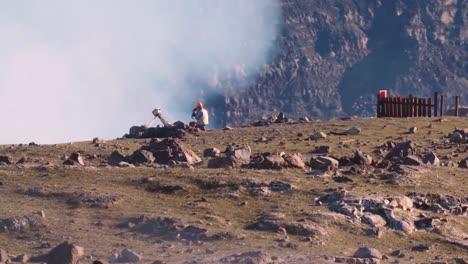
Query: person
x,y
201,115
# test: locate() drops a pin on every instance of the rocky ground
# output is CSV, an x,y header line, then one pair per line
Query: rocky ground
x,y
353,190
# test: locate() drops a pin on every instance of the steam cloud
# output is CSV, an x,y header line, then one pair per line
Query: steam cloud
x,y
73,70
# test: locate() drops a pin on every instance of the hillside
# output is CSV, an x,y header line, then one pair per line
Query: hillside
x,y
403,194
331,58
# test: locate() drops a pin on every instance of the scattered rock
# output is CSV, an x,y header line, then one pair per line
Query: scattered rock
x,y
373,220
65,253
412,161
456,137
126,256
170,150
413,130
361,158
318,135
432,159
242,153
4,259
367,252
95,200
421,248
295,161
322,150
401,150
142,157
224,163
323,162
353,131
5,159
22,222
211,152
463,163
252,257
75,159
98,140
116,158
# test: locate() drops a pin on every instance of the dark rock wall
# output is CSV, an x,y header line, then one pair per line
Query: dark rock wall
x,y
332,57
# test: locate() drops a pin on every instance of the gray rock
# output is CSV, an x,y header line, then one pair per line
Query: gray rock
x,y
223,163
323,163
361,158
128,255
65,253
295,161
456,137
115,158
5,159
412,161
353,131
432,159
413,130
463,163
367,252
4,259
142,157
98,140
75,159
211,152
22,222
318,135
241,154
373,220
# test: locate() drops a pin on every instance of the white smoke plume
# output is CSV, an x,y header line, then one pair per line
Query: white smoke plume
x,y
72,70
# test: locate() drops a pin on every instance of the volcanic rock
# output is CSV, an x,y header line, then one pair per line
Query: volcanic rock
x,y
171,150
224,163
142,157
318,135
463,163
5,159
22,222
432,159
295,161
116,158
65,253
361,158
323,163
412,161
367,252
242,153
75,159
401,150
211,152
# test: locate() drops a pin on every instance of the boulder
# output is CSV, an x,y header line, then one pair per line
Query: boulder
x,y
5,159
4,259
242,153
373,220
223,163
128,255
401,150
361,158
295,161
211,152
397,219
75,159
353,131
19,223
98,140
413,130
116,158
323,163
463,163
318,135
367,252
65,253
137,131
456,137
142,157
432,159
171,150
412,160
322,150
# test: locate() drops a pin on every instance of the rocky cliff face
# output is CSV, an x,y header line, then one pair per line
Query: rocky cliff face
x,y
332,57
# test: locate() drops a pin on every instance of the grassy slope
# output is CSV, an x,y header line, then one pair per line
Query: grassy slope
x,y
221,213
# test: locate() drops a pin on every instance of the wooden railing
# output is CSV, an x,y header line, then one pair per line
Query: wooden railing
x,y
413,106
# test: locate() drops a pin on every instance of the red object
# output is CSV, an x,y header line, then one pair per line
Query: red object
x,y
383,93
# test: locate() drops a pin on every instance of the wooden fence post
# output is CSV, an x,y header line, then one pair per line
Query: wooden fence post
x,y
420,107
436,98
429,105
424,110
457,105
441,105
